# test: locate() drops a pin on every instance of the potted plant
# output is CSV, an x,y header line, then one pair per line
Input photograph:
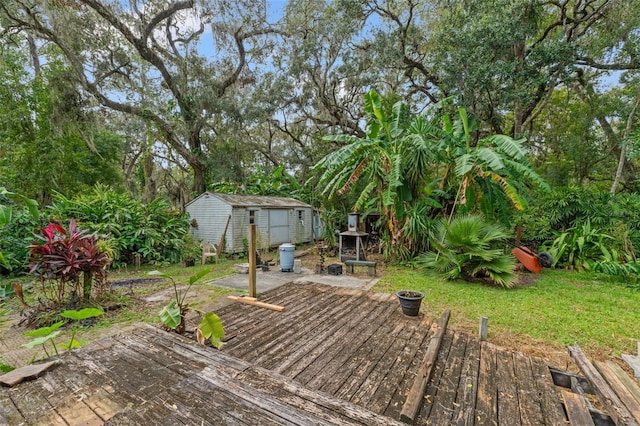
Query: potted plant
x,y
191,250
410,301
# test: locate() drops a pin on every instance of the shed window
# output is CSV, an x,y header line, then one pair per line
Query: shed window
x,y
252,217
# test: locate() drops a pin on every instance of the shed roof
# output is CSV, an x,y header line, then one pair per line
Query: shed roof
x,y
237,200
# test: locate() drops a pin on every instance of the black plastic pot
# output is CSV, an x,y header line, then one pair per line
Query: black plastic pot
x,y
410,301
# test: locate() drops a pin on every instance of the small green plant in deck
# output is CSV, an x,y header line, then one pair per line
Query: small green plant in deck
x,y
48,334
173,314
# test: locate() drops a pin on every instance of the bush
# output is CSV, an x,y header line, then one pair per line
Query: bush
x,y
154,231
469,248
68,259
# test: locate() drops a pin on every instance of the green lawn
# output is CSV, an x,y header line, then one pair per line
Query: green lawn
x,y
558,309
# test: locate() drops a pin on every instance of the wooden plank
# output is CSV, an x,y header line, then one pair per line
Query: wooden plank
x,y
433,387
254,302
9,413
252,261
508,404
221,244
549,401
269,344
381,361
303,352
352,368
566,378
528,395
398,384
317,403
444,403
388,371
468,385
414,398
402,355
240,318
487,399
630,384
616,379
29,398
614,406
28,372
577,410
346,338
274,337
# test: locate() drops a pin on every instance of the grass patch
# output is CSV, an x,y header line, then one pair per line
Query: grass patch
x,y
560,308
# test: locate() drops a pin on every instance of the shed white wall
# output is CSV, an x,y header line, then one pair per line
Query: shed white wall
x,y
301,229
211,215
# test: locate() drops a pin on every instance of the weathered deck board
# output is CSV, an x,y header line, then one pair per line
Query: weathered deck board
x,y
444,402
528,395
329,349
468,385
487,399
132,379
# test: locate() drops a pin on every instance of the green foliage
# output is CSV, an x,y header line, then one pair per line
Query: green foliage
x,y
211,328
14,227
412,170
43,335
172,315
466,248
71,258
576,246
569,208
51,141
48,334
155,231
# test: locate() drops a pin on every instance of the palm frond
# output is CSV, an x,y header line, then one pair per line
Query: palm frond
x,y
511,193
490,157
512,147
353,179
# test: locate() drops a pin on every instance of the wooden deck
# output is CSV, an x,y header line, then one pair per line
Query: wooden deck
x,y
358,346
334,356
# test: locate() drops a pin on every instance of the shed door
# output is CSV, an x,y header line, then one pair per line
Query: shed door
x,y
278,227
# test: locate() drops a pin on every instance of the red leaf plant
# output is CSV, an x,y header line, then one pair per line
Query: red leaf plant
x,y
68,259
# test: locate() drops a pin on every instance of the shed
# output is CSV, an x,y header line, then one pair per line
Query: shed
x,y
278,220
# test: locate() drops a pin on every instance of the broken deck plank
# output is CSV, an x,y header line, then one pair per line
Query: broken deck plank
x,y
614,406
28,372
625,389
414,399
577,410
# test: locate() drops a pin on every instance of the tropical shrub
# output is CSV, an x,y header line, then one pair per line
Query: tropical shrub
x,y
470,248
69,259
154,231
578,246
16,226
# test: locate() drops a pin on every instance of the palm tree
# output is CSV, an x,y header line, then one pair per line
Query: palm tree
x,y
490,172
466,248
392,158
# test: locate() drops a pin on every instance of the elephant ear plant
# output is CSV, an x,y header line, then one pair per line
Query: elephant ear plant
x,y
174,313
43,335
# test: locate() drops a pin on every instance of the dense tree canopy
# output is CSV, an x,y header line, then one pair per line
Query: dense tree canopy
x,y
189,95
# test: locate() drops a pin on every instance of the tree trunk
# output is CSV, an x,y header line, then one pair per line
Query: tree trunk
x,y
623,150
87,281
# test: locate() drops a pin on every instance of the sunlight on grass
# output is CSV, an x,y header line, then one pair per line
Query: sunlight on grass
x,y
559,308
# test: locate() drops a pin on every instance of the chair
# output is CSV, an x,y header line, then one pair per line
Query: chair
x,y
209,250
